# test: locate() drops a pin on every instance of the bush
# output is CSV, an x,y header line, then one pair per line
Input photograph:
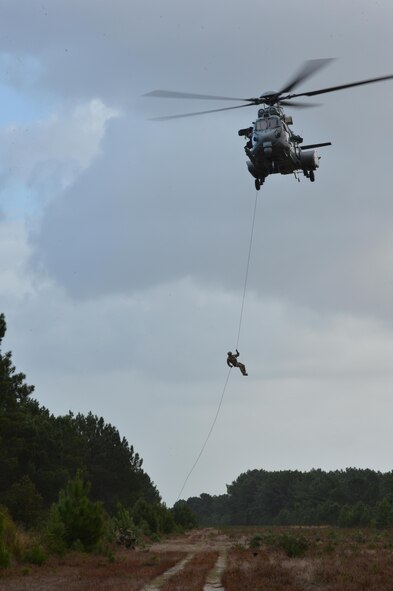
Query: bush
x,y
75,521
358,515
35,555
383,513
7,538
293,546
5,557
255,541
123,528
166,520
145,517
24,502
55,532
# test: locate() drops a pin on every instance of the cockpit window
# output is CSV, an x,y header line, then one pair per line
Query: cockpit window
x,y
273,122
270,123
261,124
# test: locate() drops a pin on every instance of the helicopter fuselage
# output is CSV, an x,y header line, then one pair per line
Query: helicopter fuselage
x,y
272,148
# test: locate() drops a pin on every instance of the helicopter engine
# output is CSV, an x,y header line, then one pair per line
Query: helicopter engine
x,y
309,159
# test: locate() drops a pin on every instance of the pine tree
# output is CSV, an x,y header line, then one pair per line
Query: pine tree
x,y
75,518
12,385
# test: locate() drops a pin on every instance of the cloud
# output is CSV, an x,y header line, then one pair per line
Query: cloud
x,y
49,154
129,223
14,253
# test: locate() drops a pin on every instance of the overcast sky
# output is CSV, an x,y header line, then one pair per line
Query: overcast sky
x,y
123,241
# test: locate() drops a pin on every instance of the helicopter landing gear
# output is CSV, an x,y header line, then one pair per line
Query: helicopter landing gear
x,y
311,176
259,183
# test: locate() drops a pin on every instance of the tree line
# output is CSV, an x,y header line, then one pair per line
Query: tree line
x,y
347,498
74,475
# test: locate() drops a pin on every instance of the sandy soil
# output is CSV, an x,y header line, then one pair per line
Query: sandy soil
x,y
129,571
194,541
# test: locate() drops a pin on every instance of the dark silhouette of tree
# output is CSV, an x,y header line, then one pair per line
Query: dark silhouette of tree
x,y
349,498
12,385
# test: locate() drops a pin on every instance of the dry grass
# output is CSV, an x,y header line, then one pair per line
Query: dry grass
x,y
79,572
355,572
193,576
247,572
332,560
335,560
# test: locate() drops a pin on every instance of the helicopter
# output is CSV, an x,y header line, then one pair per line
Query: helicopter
x,y
271,146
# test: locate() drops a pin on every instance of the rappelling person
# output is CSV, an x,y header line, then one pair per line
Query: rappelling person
x,y
233,362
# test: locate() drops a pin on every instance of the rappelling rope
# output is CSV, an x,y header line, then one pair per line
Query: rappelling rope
x,y
237,343
207,437
247,267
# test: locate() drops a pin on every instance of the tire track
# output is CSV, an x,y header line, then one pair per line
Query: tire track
x,y
213,579
157,583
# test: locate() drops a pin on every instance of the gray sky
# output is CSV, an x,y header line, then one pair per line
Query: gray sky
x,y
123,242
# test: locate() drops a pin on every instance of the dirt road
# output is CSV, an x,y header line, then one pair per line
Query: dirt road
x,y
197,558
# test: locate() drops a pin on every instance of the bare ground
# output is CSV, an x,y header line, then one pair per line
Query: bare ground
x,y
209,559
129,571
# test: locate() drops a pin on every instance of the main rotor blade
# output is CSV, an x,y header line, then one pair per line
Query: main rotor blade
x,y
308,69
190,95
198,113
299,105
341,87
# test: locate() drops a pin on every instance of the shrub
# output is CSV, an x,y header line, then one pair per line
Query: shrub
x,y
255,541
75,521
5,557
24,502
7,538
145,516
35,555
55,532
123,528
293,546
383,513
166,520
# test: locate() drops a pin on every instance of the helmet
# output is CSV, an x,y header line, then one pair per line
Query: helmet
x,y
229,352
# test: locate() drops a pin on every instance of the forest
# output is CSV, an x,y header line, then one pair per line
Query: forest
x,y
347,498
71,478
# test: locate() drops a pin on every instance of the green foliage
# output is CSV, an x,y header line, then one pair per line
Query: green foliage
x,y
293,546
13,390
55,532
112,467
350,498
76,521
166,520
145,516
151,520
123,518
210,510
7,538
123,528
5,557
24,502
255,541
35,555
183,515
383,513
